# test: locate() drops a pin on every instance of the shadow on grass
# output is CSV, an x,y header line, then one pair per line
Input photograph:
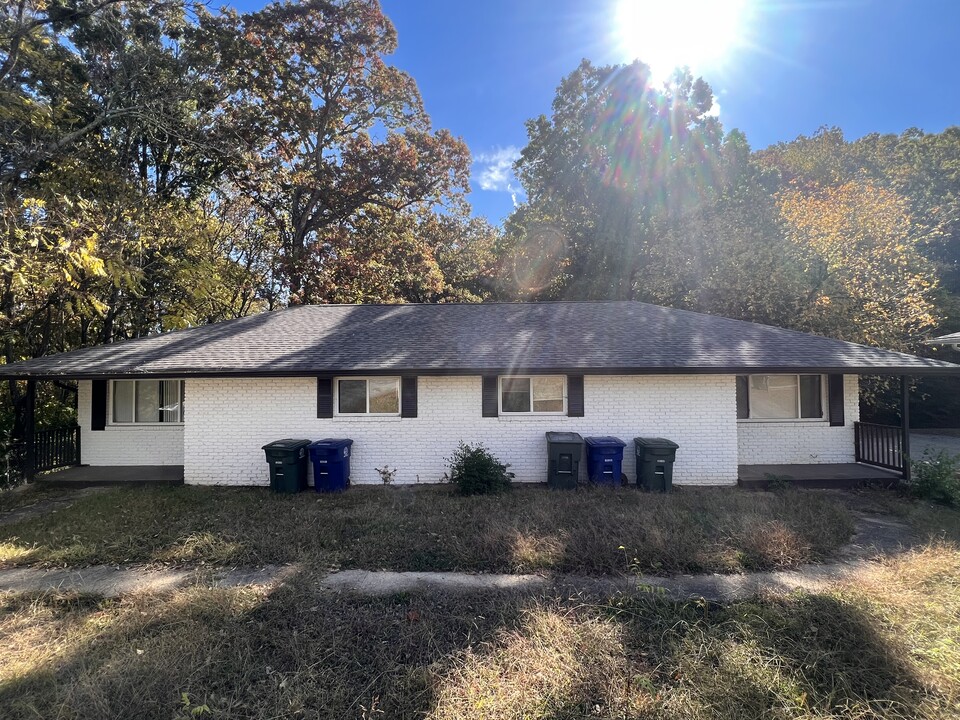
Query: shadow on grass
x,y
811,655
298,651
242,653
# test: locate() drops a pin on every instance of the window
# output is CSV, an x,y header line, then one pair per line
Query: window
x,y
368,396
534,394
147,401
780,397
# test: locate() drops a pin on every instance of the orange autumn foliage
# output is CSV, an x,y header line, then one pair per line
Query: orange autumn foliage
x,y
859,245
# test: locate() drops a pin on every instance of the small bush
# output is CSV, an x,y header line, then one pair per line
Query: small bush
x,y
778,483
937,478
475,471
387,474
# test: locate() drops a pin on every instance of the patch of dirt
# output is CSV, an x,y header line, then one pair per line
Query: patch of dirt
x,y
42,507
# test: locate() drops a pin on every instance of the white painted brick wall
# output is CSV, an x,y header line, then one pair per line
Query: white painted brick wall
x,y
126,445
229,420
802,441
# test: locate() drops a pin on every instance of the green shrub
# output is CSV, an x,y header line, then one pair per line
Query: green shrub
x,y
777,483
937,477
475,471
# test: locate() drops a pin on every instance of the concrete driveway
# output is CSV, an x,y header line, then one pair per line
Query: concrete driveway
x,y
934,441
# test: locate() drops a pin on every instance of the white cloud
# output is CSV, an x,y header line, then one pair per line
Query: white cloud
x,y
714,110
496,171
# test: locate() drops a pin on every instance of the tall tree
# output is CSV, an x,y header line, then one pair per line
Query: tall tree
x,y
163,166
616,155
108,153
331,129
869,283
729,257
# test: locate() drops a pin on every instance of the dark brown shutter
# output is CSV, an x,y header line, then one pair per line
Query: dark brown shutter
x,y
408,396
98,405
575,395
835,399
324,397
490,391
743,397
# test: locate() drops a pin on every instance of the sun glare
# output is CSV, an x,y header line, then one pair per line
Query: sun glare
x,y
667,34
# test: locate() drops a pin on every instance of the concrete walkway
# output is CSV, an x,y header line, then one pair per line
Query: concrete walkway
x,y
876,536
716,588
113,581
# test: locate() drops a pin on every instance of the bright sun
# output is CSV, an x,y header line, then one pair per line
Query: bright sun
x,y
666,34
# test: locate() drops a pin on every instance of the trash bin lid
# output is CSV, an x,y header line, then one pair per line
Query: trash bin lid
x,y
331,444
563,437
605,441
286,444
652,442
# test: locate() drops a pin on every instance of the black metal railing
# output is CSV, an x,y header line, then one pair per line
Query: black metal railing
x,y
880,445
50,450
54,449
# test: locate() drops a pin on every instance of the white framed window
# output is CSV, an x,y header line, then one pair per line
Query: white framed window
x,y
781,397
533,394
367,396
146,402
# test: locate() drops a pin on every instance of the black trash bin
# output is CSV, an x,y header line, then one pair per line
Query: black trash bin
x,y
331,464
604,459
564,450
288,465
655,458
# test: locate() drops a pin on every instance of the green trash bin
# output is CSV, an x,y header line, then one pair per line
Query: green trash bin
x,y
288,465
655,458
564,450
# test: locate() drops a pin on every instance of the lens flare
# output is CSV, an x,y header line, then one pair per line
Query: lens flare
x,y
666,34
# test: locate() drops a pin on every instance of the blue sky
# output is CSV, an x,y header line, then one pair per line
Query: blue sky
x,y
485,67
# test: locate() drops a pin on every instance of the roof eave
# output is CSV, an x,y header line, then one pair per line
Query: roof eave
x,y
448,371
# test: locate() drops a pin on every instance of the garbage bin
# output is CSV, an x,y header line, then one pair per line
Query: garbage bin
x,y
331,464
564,450
604,459
288,465
655,457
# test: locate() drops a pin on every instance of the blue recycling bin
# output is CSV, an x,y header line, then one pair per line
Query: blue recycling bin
x,y
331,464
604,459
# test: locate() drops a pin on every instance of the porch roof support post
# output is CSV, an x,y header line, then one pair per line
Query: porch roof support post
x,y
905,425
29,431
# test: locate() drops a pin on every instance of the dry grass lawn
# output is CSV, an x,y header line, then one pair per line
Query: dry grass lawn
x,y
530,529
885,648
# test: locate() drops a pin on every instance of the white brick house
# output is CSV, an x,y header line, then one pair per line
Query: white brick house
x,y
408,383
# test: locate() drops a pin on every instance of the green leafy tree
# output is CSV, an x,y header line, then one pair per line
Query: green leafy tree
x,y
729,257
332,130
108,155
616,156
163,166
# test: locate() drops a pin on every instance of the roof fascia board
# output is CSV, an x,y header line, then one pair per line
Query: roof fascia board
x,y
565,370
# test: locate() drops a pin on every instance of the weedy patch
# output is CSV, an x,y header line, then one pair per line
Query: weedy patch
x,y
431,528
885,648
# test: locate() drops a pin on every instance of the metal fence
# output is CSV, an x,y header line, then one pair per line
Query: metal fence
x,y
880,445
50,449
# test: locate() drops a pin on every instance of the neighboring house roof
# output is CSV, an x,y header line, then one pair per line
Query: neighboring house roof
x,y
952,339
604,337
